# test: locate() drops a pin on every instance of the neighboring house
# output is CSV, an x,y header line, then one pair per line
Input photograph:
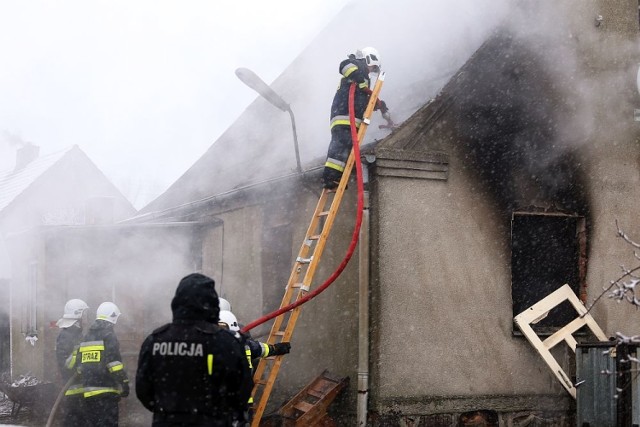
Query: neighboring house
x,y
502,189
59,189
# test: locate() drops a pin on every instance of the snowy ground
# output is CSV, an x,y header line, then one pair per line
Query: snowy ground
x,y
22,419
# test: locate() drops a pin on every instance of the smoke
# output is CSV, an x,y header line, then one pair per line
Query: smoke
x,y
422,44
9,142
533,98
13,140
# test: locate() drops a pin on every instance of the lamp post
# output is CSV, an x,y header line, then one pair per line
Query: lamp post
x,y
250,78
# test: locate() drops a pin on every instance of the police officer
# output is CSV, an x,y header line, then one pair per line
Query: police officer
x,y
67,344
191,371
355,69
103,375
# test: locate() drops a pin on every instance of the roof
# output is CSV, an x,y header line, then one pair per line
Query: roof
x,y
13,183
259,146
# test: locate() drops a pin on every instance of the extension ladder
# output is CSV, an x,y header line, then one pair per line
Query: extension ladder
x,y
305,267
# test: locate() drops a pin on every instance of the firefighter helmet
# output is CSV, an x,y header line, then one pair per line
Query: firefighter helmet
x,y
74,308
108,311
224,304
73,313
227,318
370,55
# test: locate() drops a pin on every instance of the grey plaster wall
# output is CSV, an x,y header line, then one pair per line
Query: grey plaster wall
x,y
445,299
325,336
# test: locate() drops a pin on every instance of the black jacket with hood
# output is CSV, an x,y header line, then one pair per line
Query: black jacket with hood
x,y
190,371
66,344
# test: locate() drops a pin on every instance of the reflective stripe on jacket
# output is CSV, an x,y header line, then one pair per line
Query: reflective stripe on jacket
x,y
99,361
352,71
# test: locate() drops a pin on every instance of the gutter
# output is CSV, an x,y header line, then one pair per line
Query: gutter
x,y
363,307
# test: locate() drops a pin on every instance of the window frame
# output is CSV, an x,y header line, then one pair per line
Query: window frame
x,y
580,288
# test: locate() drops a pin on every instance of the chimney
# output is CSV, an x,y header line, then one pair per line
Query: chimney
x,y
25,155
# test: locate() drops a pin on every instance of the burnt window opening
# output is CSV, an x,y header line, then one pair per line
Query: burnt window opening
x,y
547,251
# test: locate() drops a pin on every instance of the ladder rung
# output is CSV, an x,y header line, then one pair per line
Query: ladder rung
x,y
279,333
303,406
315,393
301,286
315,237
304,260
324,213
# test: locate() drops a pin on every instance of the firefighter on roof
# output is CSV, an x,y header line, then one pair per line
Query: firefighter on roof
x,y
104,378
355,69
191,371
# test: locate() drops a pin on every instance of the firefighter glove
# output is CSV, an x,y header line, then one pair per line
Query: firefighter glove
x,y
281,348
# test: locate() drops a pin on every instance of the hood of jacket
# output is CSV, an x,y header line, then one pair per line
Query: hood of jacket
x,y
196,299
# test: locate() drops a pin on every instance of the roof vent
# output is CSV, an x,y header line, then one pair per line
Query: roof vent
x,y
25,155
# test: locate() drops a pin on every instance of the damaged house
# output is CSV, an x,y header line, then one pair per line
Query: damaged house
x,y
489,197
503,183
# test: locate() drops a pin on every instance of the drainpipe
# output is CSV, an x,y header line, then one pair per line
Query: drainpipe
x,y
363,307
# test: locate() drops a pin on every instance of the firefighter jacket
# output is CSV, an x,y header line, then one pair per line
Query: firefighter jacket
x,y
352,70
191,371
256,349
67,345
100,363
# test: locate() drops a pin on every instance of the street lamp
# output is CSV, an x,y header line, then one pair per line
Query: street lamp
x,y
250,78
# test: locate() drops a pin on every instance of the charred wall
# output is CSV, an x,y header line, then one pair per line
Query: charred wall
x,y
509,116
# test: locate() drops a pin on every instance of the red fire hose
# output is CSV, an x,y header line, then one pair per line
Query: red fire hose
x,y
356,230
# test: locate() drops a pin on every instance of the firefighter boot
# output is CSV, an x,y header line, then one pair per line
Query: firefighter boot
x,y
331,178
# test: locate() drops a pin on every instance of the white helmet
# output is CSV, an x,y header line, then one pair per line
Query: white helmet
x,y
224,304
370,55
108,311
73,311
229,319
74,308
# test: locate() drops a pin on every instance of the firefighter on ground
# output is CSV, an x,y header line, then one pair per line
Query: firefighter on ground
x,y
253,349
67,344
355,69
103,375
191,371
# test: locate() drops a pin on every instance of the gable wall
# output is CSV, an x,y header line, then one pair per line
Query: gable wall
x,y
443,339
